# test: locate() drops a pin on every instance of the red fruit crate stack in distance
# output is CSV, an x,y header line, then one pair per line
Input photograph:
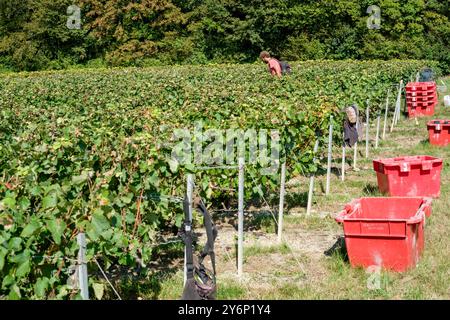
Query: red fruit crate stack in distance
x,y
421,98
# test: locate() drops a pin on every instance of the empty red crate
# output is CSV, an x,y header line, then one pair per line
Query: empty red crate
x,y
421,98
439,132
409,176
385,232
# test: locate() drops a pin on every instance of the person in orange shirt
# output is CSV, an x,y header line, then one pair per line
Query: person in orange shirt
x,y
272,63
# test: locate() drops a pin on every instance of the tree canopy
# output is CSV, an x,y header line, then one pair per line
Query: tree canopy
x,y
34,33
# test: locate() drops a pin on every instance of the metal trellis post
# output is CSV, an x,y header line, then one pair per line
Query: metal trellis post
x,y
82,266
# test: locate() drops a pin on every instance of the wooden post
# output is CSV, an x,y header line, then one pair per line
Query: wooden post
x,y
355,153
311,183
399,102
330,153
397,107
281,208
386,114
82,267
367,129
343,158
377,138
241,217
189,192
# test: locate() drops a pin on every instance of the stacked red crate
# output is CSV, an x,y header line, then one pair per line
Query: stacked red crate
x,y
421,98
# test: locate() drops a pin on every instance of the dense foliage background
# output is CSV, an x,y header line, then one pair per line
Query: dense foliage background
x,y
33,33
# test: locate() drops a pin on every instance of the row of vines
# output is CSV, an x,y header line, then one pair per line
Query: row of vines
x,y
84,150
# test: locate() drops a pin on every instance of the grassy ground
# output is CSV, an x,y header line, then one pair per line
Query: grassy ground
x,y
303,266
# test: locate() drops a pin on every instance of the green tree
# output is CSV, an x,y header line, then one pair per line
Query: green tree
x,y
33,33
39,37
132,30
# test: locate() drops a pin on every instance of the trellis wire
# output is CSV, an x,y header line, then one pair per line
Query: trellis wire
x,y
109,282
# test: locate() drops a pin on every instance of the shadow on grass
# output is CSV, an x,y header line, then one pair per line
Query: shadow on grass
x,y
293,200
338,249
371,190
134,282
263,219
335,170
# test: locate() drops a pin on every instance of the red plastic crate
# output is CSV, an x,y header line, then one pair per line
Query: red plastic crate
x,y
421,110
432,98
385,232
439,132
422,103
420,86
409,176
431,92
421,98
